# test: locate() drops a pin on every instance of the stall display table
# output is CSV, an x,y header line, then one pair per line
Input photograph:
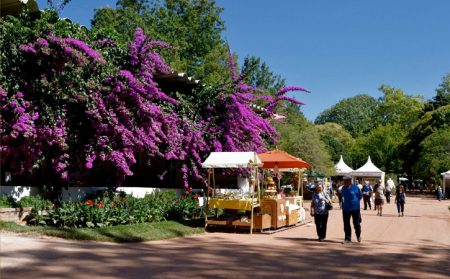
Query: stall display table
x,y
277,209
238,204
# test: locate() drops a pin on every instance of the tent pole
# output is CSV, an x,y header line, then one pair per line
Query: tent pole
x,y
214,183
301,184
255,169
207,199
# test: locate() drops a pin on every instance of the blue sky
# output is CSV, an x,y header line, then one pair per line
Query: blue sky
x,y
337,49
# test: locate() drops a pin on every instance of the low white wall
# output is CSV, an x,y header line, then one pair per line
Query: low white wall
x,y
18,192
80,193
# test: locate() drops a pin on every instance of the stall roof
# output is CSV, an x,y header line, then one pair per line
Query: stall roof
x,y
231,160
282,160
342,168
369,170
446,174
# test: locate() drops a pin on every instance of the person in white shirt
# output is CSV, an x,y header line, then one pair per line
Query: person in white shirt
x,y
389,186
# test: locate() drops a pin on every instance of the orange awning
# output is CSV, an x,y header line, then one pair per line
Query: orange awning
x,y
282,160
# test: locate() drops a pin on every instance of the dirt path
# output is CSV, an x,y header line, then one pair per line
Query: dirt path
x,y
414,246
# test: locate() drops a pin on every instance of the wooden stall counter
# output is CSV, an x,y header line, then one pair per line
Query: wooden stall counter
x,y
241,204
277,209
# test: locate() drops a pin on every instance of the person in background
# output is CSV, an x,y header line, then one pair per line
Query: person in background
x,y
359,184
320,212
390,185
366,192
439,194
400,199
351,209
379,198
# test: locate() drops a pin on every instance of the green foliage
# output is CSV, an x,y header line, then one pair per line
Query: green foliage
x,y
356,114
261,76
429,123
336,138
397,108
118,209
7,202
382,144
442,97
35,202
301,139
193,27
434,156
120,233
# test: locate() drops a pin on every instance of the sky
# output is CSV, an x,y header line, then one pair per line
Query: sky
x,y
336,49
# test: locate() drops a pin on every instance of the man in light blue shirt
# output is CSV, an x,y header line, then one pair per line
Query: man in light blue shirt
x,y
351,196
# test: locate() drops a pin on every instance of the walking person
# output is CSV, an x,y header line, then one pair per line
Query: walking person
x,y
366,192
320,212
440,196
379,198
351,209
400,199
390,185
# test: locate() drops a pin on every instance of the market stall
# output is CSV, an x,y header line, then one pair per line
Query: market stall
x,y
243,202
284,211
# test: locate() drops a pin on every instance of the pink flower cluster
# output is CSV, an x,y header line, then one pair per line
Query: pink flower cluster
x,y
76,112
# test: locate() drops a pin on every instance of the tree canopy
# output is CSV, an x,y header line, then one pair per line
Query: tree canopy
x,y
355,114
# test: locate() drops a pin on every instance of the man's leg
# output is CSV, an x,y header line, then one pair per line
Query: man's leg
x,y
347,228
356,216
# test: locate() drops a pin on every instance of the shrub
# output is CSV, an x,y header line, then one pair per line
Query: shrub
x,y
117,209
7,201
34,201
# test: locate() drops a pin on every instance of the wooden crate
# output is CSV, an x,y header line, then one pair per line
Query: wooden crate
x,y
292,218
277,209
262,221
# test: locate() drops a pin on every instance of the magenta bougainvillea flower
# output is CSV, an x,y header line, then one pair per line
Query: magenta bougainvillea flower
x,y
77,110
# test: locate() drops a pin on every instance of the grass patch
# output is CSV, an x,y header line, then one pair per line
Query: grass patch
x,y
122,233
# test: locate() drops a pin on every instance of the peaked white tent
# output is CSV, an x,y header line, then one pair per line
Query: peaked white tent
x,y
445,180
342,168
369,170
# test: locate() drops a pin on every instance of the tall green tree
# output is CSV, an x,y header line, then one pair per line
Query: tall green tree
x,y
442,97
336,138
192,27
301,139
382,144
261,76
430,122
434,155
395,107
356,114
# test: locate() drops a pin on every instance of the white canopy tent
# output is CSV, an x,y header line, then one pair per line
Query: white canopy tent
x,y
445,182
232,160
369,170
342,168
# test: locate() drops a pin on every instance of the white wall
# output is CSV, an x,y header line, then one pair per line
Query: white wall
x,y
79,193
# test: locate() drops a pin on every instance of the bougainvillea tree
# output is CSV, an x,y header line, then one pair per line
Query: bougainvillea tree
x,y
71,103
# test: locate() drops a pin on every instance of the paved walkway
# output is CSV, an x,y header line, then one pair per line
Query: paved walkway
x,y
414,246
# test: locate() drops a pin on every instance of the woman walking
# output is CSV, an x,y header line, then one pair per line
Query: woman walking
x,y
320,212
379,198
400,199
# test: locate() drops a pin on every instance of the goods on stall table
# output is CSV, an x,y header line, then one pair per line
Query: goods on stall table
x,y
270,190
